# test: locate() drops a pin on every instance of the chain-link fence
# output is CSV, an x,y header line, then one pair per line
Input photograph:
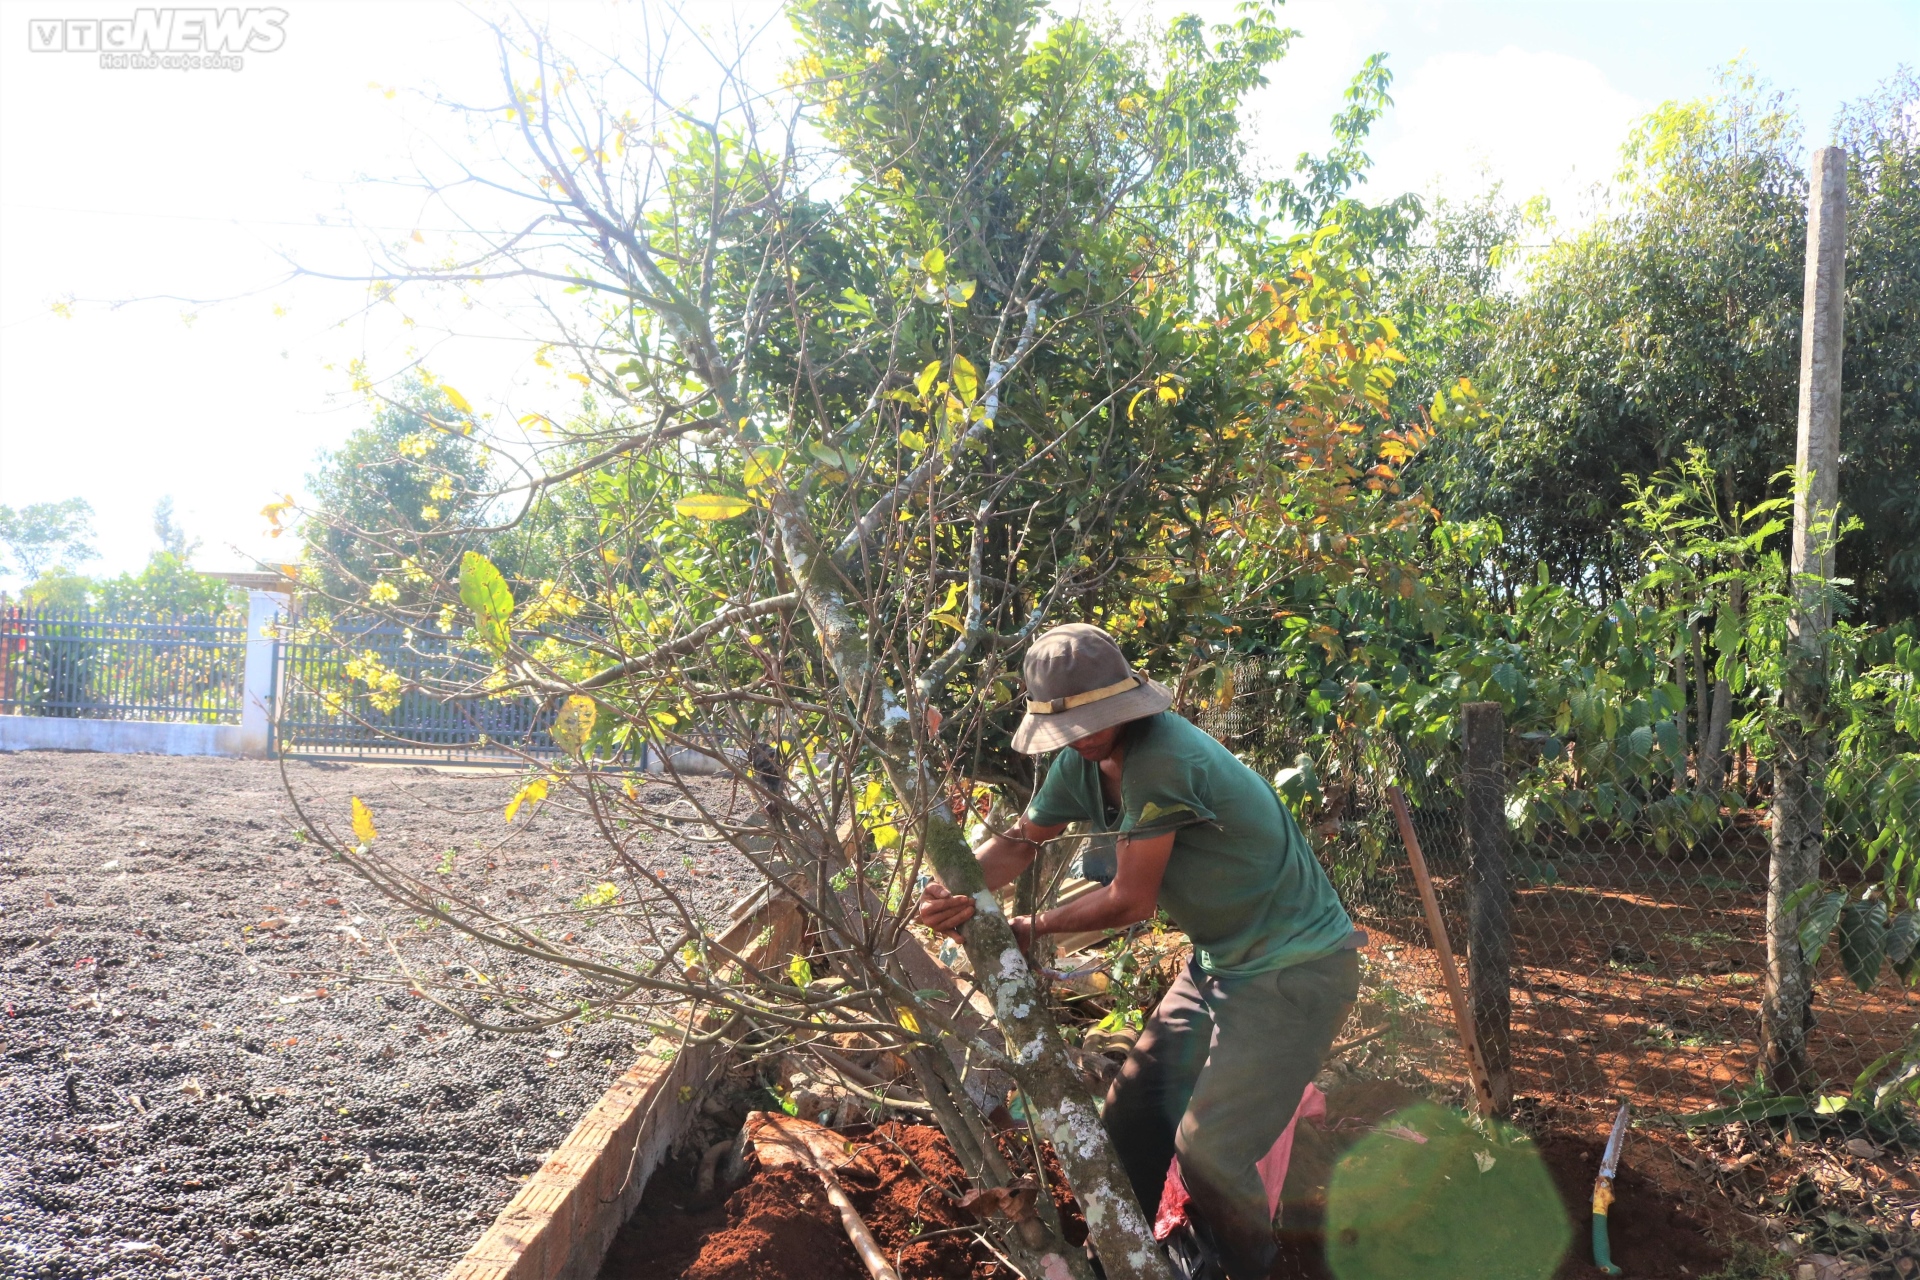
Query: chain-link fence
x,y
1635,923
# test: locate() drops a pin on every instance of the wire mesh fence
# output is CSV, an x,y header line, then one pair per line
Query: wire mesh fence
x,y
109,666
1636,966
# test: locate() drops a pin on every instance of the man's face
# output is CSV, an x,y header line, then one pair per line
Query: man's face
x,y
1098,746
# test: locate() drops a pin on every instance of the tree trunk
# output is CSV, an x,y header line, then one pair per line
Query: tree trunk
x,y
1702,699
1719,721
1036,1055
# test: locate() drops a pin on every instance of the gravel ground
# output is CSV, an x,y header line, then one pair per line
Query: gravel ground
x,y
176,1097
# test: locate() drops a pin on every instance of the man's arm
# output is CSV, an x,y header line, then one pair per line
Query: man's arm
x,y
1002,858
1133,896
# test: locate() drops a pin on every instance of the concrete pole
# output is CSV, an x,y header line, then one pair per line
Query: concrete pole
x,y
1801,736
256,701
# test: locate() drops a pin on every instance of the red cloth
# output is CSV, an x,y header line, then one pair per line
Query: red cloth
x,y
1273,1169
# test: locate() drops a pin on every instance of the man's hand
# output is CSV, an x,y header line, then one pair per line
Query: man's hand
x,y
944,912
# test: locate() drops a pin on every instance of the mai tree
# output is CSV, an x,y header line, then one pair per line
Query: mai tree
x,y
969,326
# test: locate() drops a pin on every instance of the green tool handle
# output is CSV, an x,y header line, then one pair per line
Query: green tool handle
x,y
1602,1200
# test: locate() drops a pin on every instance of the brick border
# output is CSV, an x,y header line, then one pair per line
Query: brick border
x,y
562,1222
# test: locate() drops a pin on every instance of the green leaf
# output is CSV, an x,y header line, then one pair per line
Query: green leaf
x,y
711,506
1819,924
831,457
1863,941
856,303
926,994
1757,1109
966,379
484,591
935,262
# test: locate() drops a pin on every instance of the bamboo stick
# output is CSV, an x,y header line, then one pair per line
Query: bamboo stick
x,y
1476,1065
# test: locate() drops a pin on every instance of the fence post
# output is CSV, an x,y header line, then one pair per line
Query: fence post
x,y
1489,905
1801,736
256,698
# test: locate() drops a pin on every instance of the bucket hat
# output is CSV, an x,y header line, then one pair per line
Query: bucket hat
x,y
1078,682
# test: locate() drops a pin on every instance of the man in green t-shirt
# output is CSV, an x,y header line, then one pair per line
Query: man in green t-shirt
x,y
1221,1065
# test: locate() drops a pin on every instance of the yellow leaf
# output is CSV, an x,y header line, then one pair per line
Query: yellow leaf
x,y
535,791
913,440
924,383
763,465
966,379
363,823
710,506
574,724
800,972
951,620
417,237
908,1021
455,399
935,261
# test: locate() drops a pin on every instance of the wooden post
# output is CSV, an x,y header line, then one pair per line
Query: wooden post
x,y
1437,930
1801,738
1489,906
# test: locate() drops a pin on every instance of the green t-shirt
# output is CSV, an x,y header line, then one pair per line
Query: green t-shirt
x,y
1242,882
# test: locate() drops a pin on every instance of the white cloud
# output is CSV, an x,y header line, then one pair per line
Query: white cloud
x,y
1538,122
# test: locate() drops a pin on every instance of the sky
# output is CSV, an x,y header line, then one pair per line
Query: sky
x,y
153,345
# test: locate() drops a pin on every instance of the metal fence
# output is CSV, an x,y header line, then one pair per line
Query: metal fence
x,y
103,666
1636,971
1638,943
326,708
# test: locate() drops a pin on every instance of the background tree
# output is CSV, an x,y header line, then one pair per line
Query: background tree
x,y
414,470
1673,321
173,539
46,534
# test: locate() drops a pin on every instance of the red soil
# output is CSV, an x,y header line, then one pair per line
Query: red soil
x,y
779,1226
1650,1232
